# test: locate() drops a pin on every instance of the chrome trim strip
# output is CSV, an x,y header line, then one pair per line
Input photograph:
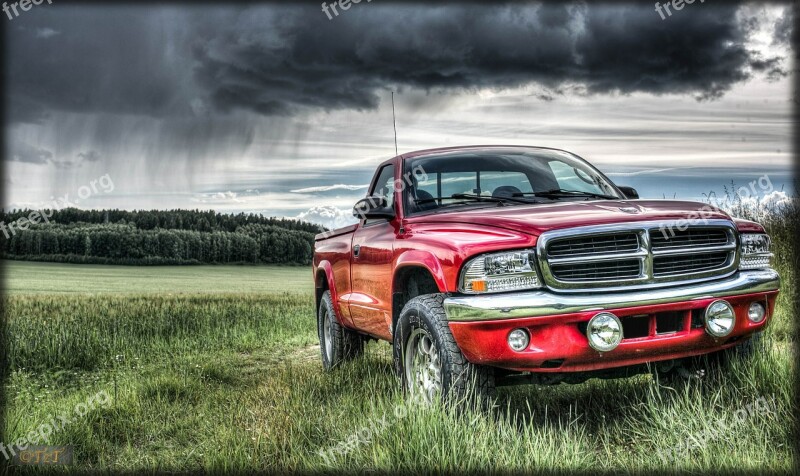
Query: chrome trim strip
x,y
545,303
645,254
599,257
693,251
647,244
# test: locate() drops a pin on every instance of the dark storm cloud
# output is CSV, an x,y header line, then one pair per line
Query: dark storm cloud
x,y
120,60
24,152
773,67
89,156
350,61
701,52
275,60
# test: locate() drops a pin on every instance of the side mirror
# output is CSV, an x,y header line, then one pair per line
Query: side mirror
x,y
629,192
373,208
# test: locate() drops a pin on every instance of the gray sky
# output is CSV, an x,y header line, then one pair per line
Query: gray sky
x,y
279,110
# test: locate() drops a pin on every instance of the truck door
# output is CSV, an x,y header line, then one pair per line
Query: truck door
x,y
371,269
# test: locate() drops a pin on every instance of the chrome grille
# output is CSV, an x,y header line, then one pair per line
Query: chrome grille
x,y
647,254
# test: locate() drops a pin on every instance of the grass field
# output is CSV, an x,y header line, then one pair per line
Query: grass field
x,y
217,368
56,278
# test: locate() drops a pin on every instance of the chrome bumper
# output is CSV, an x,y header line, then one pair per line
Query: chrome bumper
x,y
545,303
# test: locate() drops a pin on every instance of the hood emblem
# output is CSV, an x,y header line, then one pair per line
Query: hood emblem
x,y
631,210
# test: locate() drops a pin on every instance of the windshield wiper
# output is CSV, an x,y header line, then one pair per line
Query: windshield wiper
x,y
498,199
560,192
477,198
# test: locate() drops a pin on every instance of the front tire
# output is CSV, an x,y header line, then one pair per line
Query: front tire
x,y
336,343
430,365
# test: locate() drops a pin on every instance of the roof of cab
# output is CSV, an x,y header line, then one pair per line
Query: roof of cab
x,y
472,148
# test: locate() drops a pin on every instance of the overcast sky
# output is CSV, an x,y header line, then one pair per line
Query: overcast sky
x,y
279,110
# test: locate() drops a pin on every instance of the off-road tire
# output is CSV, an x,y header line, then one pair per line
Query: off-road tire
x,y
345,344
461,380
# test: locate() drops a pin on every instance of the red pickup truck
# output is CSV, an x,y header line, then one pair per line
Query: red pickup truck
x,y
495,265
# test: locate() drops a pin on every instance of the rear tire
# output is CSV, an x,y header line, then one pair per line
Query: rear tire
x,y
337,344
430,365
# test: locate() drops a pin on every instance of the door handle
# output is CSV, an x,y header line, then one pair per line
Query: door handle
x,y
356,250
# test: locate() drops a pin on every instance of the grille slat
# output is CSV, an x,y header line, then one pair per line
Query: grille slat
x,y
619,257
591,245
598,271
670,265
688,238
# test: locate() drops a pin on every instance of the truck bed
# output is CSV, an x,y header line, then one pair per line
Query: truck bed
x,y
338,232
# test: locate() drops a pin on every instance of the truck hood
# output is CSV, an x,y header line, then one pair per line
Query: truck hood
x,y
537,219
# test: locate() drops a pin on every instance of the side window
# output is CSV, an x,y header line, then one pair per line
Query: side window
x,y
384,187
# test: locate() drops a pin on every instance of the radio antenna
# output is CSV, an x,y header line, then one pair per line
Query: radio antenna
x,y
394,121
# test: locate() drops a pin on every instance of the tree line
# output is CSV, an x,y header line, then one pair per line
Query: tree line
x,y
160,237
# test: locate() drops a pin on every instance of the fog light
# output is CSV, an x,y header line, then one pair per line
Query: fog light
x,y
604,332
756,313
518,340
720,318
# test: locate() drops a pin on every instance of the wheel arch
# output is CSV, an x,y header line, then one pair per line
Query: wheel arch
x,y
416,273
323,281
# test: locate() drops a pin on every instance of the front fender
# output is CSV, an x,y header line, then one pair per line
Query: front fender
x,y
747,226
422,259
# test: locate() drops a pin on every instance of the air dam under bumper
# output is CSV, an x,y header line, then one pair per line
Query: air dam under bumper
x,y
665,321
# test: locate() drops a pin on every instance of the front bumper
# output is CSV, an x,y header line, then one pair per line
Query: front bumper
x,y
480,324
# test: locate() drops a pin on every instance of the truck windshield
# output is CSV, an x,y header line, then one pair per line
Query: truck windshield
x,y
536,176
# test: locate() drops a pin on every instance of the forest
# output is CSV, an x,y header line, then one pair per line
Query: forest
x,y
158,237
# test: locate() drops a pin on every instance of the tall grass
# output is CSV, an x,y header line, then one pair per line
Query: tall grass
x,y
233,383
90,332
780,218
230,413
237,386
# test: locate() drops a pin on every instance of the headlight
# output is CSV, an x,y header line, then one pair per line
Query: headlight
x,y
604,332
498,272
755,251
720,318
